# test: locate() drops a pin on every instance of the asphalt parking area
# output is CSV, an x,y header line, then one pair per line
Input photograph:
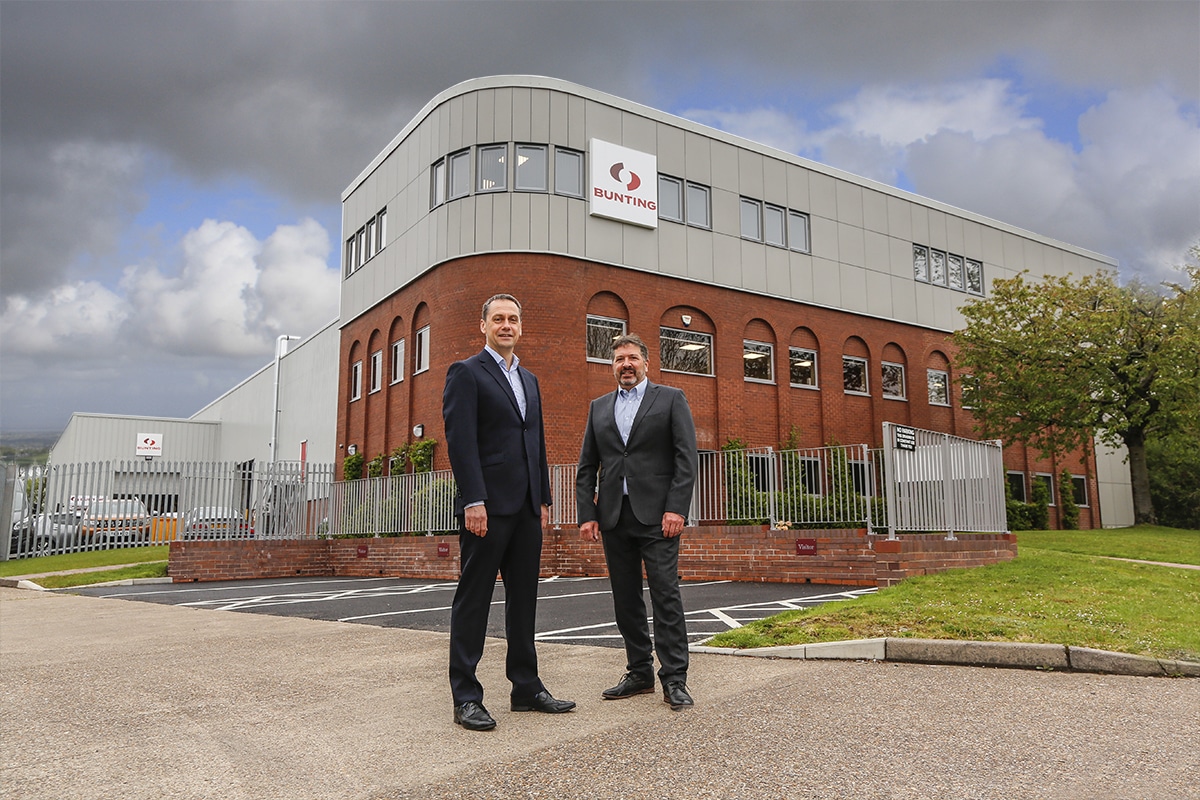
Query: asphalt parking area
x,y
570,610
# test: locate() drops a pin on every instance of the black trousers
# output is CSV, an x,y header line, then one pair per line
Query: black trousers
x,y
626,548
512,547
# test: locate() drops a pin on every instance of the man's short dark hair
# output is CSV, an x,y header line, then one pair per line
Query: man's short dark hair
x,y
632,338
487,303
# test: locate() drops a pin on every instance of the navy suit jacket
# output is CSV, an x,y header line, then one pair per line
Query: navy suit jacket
x,y
496,456
658,462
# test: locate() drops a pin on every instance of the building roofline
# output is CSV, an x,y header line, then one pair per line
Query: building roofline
x,y
558,84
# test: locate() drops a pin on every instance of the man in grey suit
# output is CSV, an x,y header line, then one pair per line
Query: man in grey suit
x,y
640,442
492,408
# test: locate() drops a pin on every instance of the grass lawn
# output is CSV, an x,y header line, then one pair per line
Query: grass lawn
x,y
151,562
1060,589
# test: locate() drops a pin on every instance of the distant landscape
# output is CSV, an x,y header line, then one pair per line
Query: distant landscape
x,y
26,447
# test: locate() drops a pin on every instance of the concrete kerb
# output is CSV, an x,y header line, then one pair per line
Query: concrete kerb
x,y
1017,655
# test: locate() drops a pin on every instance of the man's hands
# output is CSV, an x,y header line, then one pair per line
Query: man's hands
x,y
672,525
475,520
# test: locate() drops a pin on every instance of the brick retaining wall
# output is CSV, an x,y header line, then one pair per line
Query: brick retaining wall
x,y
749,553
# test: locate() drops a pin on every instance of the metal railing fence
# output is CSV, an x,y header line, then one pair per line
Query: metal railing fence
x,y
63,508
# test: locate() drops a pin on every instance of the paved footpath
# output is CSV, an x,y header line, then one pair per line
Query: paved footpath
x,y
107,699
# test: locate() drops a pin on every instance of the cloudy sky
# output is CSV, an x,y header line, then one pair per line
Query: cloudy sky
x,y
170,172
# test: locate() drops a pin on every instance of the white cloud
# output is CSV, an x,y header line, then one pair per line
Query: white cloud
x,y
767,126
231,296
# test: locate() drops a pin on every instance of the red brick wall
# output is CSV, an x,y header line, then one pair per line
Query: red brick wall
x,y
749,553
557,292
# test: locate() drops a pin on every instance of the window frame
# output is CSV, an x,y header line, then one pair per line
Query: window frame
x,y
587,337
376,372
459,159
1049,478
351,266
971,265
578,172
746,204
666,334
883,383
517,167
806,245
780,212
1013,473
421,351
866,377
969,388
920,263
397,372
437,183
955,263
677,194
934,256
689,203
813,366
763,349
929,373
1079,490
483,152
356,370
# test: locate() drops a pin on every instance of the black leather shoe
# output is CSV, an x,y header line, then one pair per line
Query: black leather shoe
x,y
676,694
473,716
544,702
629,686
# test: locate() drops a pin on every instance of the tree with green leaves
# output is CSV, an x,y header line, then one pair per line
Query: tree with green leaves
x,y
1059,361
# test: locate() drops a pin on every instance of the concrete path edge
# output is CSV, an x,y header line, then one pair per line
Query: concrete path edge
x,y
1016,655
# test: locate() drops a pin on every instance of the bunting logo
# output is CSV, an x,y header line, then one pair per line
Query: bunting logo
x,y
624,184
618,171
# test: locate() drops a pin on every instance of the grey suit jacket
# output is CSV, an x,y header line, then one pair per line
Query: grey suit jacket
x,y
658,463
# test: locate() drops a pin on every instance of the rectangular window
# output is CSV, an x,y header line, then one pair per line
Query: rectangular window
x,y
808,474
568,172
854,375
437,184
356,381
954,272
920,263
751,219
493,168
376,370
970,391
773,230
380,230
939,387
1048,480
422,355
531,168
360,246
397,361
798,231
698,206
685,351
1016,486
974,270
858,476
802,364
1079,489
371,241
670,198
460,175
758,361
350,263
893,381
937,267
600,334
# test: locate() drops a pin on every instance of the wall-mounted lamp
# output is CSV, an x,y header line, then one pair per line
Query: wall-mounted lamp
x,y
687,319
352,449
418,430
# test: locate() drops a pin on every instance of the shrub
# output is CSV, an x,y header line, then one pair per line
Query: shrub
x,y
1068,510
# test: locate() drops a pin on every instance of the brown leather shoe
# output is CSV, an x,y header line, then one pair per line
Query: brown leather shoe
x,y
629,686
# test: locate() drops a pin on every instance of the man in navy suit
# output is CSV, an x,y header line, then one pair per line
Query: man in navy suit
x,y
640,442
492,408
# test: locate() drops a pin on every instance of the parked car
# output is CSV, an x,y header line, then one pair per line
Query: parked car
x,y
109,521
22,539
216,522
56,531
